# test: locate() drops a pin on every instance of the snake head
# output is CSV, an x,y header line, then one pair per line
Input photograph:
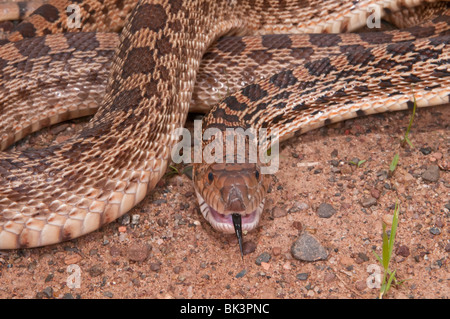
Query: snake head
x,y
227,190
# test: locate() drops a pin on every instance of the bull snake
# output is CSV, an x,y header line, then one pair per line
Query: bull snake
x,y
67,190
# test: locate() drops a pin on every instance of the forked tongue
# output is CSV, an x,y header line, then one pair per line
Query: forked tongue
x,y
237,223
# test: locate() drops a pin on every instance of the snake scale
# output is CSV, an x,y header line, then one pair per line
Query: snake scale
x,y
70,189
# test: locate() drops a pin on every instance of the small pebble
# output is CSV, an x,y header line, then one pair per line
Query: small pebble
x,y
96,270
108,294
325,210
278,212
431,174
156,266
48,292
361,285
435,231
264,257
361,258
248,247
177,269
241,273
135,219
368,201
425,150
447,205
72,259
276,251
297,207
375,193
114,251
265,266
297,225
308,248
125,219
49,278
402,251
302,276
138,252
329,277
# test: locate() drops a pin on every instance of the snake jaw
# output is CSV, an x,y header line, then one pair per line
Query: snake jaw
x,y
224,222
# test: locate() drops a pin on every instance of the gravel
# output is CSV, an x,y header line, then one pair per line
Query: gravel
x,y
308,248
241,273
302,276
402,251
96,270
264,257
325,210
248,247
368,201
138,252
431,174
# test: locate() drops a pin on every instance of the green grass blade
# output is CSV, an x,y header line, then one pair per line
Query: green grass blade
x,y
388,284
393,228
378,257
385,249
394,163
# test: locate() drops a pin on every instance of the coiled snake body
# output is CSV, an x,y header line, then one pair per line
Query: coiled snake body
x,y
69,189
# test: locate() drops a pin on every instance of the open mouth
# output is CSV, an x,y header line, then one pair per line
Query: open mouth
x,y
224,223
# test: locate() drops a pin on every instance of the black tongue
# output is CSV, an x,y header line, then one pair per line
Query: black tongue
x,y
237,223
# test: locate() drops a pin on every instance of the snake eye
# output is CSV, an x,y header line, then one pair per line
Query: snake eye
x,y
257,175
210,176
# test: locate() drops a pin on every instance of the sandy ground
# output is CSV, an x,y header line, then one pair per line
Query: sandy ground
x,y
165,249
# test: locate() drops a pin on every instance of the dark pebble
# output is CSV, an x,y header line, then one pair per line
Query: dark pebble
x,y
48,292
297,207
402,251
375,193
241,273
138,252
431,174
159,201
278,212
49,278
114,251
447,205
68,296
156,266
176,270
297,225
264,257
108,294
325,210
308,248
248,247
425,150
302,276
368,201
96,270
363,257
435,230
